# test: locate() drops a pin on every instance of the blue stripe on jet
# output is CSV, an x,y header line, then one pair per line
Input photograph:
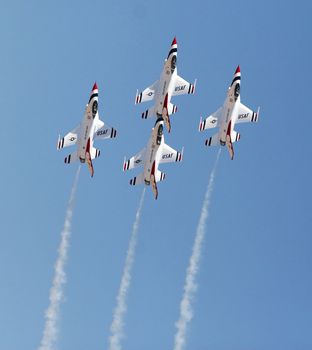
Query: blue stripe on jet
x,y
172,51
235,79
92,96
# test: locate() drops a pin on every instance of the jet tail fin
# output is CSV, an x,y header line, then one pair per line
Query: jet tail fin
x,y
160,176
168,110
154,186
229,146
172,108
165,113
167,121
89,163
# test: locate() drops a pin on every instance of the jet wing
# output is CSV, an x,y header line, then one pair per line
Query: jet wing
x,y
169,155
212,121
69,139
183,87
103,131
246,115
134,161
147,94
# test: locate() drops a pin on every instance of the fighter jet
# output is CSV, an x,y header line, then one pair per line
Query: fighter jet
x,y
150,157
232,112
169,84
85,133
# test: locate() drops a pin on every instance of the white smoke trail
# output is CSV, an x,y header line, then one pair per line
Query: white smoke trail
x,y
190,285
121,307
48,341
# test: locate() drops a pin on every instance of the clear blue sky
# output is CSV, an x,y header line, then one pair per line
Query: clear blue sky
x,y
255,281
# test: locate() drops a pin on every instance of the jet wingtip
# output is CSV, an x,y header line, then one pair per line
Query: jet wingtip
x,y
237,69
174,41
95,87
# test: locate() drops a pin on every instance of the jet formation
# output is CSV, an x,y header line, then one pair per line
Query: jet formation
x,y
157,151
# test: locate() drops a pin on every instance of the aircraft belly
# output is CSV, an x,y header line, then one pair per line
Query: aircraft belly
x,y
159,105
88,129
86,135
164,85
223,129
81,148
147,172
149,163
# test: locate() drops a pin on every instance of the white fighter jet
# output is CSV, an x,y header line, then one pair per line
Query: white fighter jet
x,y
232,112
169,84
85,133
150,157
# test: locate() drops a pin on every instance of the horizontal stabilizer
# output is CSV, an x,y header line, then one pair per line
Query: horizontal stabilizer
x,y
148,113
95,153
213,140
172,108
235,136
137,180
160,176
71,158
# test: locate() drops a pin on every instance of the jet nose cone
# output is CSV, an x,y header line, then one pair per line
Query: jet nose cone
x,y
95,87
237,70
174,42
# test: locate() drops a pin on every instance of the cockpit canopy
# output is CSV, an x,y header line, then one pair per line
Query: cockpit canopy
x,y
160,132
94,108
173,63
237,90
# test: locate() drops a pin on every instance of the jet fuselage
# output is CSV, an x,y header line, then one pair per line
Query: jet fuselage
x,y
87,131
166,86
229,111
153,153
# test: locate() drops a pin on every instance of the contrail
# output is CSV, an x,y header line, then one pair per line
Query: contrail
x,y
121,307
190,285
48,341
